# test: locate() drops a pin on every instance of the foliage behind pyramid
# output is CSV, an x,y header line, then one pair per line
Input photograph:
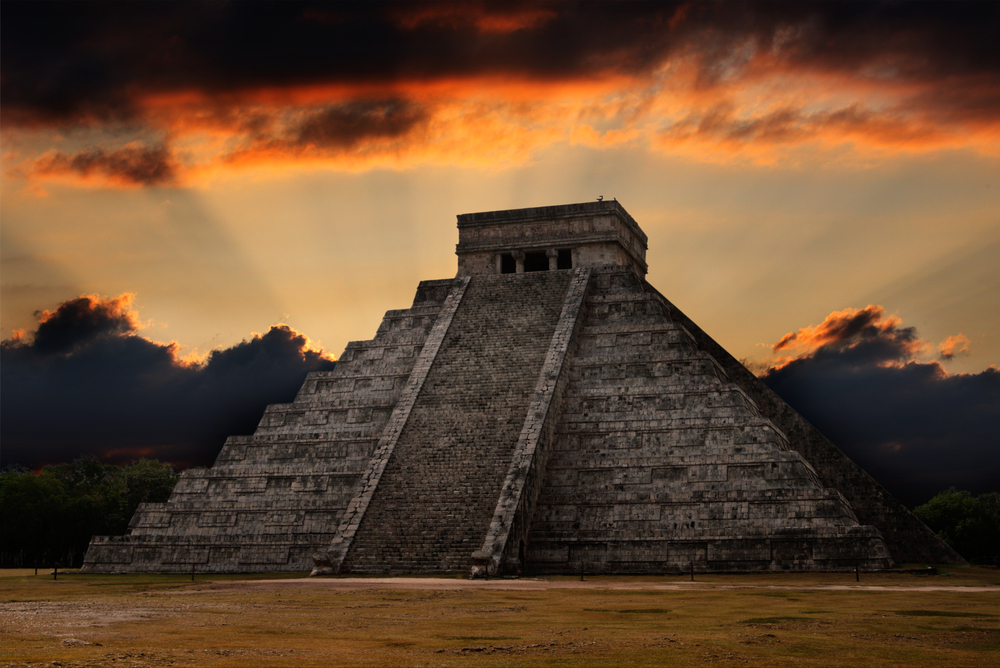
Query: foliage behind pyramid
x,y
547,410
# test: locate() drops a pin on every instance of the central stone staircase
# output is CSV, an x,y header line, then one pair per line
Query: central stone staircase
x,y
439,490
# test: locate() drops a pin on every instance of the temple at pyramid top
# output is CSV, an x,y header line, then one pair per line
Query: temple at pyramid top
x,y
569,236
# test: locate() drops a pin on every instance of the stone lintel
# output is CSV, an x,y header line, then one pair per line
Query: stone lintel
x,y
580,210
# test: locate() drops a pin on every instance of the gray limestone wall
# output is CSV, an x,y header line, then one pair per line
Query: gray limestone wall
x,y
438,492
909,540
659,461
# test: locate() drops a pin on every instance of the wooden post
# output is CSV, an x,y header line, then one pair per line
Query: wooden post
x,y
692,571
55,572
857,573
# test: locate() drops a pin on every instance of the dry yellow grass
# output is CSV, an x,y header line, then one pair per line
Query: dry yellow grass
x,y
762,620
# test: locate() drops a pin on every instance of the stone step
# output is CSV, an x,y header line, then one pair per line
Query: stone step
x,y
238,456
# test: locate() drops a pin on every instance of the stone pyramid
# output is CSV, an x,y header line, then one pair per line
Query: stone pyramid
x,y
546,411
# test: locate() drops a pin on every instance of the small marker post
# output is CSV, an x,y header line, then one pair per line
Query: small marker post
x,y
857,572
692,571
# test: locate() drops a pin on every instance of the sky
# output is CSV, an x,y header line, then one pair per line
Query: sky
x,y
201,202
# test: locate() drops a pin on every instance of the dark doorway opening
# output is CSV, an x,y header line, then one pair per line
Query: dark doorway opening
x,y
565,260
508,265
536,262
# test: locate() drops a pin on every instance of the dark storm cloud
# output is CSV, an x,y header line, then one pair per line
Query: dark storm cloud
x,y
346,125
86,383
79,321
130,165
89,62
332,129
914,427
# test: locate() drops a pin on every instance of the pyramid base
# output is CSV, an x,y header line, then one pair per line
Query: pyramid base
x,y
854,547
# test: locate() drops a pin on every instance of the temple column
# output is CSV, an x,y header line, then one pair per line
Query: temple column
x,y
553,256
519,258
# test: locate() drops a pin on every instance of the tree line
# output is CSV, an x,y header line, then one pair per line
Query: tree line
x,y
49,518
970,524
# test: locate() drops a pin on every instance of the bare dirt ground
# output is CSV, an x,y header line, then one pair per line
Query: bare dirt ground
x,y
539,584
767,620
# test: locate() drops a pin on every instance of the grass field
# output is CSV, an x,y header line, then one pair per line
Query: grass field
x,y
824,619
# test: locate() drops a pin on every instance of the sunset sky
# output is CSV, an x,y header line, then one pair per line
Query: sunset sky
x,y
204,171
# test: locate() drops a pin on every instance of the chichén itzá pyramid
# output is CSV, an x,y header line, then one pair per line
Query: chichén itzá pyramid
x,y
547,411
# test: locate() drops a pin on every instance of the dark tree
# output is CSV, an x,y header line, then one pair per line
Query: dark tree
x,y
49,518
970,524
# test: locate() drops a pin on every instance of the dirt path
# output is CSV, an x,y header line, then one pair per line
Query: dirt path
x,y
450,584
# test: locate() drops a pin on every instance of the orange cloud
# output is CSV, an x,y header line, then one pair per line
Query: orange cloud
x,y
955,345
862,335
768,110
759,98
476,120
129,166
852,327
501,124
836,327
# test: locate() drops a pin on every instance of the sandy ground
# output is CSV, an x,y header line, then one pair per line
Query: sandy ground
x,y
323,622
528,584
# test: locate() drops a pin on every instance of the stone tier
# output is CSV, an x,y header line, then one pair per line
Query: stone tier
x,y
841,548
164,553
